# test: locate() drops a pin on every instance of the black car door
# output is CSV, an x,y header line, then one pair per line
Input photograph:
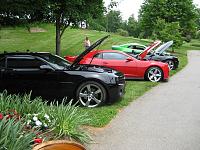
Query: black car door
x,y
2,69
23,74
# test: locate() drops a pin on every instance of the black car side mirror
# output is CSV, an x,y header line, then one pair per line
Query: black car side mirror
x,y
46,67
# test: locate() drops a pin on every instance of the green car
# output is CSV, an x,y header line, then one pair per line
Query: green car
x,y
133,48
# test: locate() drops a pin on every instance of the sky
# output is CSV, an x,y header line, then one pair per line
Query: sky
x,y
129,7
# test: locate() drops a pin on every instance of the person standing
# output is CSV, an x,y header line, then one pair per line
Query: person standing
x,y
86,42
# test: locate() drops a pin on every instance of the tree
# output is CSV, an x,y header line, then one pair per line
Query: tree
x,y
65,13
198,19
114,21
133,26
13,12
167,32
181,11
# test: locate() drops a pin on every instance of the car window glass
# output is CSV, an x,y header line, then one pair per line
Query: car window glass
x,y
99,56
24,63
140,47
114,56
2,62
56,61
132,47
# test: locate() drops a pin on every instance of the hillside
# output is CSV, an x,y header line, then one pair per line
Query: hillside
x,y
19,39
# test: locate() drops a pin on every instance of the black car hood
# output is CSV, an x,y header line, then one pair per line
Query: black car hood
x,y
80,57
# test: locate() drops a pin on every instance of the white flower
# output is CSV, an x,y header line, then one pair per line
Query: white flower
x,y
38,123
35,118
46,116
45,125
28,122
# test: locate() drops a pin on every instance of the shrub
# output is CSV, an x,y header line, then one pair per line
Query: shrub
x,y
68,121
12,136
195,44
188,38
168,31
65,119
22,104
122,32
198,35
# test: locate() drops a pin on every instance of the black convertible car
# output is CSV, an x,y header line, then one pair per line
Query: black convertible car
x,y
52,77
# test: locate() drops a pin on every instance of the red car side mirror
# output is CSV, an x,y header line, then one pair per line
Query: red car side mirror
x,y
129,59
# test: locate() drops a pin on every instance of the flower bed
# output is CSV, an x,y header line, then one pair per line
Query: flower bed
x,y
44,122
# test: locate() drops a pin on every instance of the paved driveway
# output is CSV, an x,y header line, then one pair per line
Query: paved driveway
x,y
165,118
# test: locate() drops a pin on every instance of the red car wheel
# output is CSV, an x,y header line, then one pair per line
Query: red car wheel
x,y
154,74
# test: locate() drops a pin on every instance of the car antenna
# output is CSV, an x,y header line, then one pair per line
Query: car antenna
x,y
5,52
27,50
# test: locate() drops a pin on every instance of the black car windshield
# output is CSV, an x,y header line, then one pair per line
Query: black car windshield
x,y
57,61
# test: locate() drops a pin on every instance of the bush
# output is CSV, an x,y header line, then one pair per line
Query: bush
x,y
68,121
188,38
122,32
195,44
12,136
198,35
22,104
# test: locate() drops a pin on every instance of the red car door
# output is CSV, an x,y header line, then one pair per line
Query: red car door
x,y
97,59
120,62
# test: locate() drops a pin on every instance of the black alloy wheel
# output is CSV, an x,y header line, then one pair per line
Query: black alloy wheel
x,y
91,94
170,64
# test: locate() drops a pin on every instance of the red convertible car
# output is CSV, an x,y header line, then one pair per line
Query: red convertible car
x,y
131,67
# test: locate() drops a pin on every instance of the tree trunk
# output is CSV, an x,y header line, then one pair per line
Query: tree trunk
x,y
58,35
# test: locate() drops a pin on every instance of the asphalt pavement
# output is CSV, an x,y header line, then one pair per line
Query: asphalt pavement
x,y
165,118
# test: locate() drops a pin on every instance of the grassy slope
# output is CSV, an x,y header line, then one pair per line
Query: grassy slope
x,y
12,39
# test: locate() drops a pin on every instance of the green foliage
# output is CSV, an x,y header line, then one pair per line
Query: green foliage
x,y
98,24
68,121
114,21
122,32
22,104
198,18
12,136
133,27
168,31
181,11
15,12
188,38
196,45
198,35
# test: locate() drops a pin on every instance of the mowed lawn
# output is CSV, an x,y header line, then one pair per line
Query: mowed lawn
x,y
19,39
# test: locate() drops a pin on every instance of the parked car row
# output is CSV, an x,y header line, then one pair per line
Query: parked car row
x,y
158,54
93,78
132,66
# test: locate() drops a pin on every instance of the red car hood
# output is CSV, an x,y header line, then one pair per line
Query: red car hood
x,y
144,53
70,58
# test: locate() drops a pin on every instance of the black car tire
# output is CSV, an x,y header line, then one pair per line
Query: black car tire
x,y
171,64
91,94
154,74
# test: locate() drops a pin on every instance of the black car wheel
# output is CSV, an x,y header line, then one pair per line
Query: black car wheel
x,y
91,94
154,74
170,64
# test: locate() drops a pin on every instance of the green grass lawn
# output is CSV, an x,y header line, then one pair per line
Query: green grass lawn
x,y
19,39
